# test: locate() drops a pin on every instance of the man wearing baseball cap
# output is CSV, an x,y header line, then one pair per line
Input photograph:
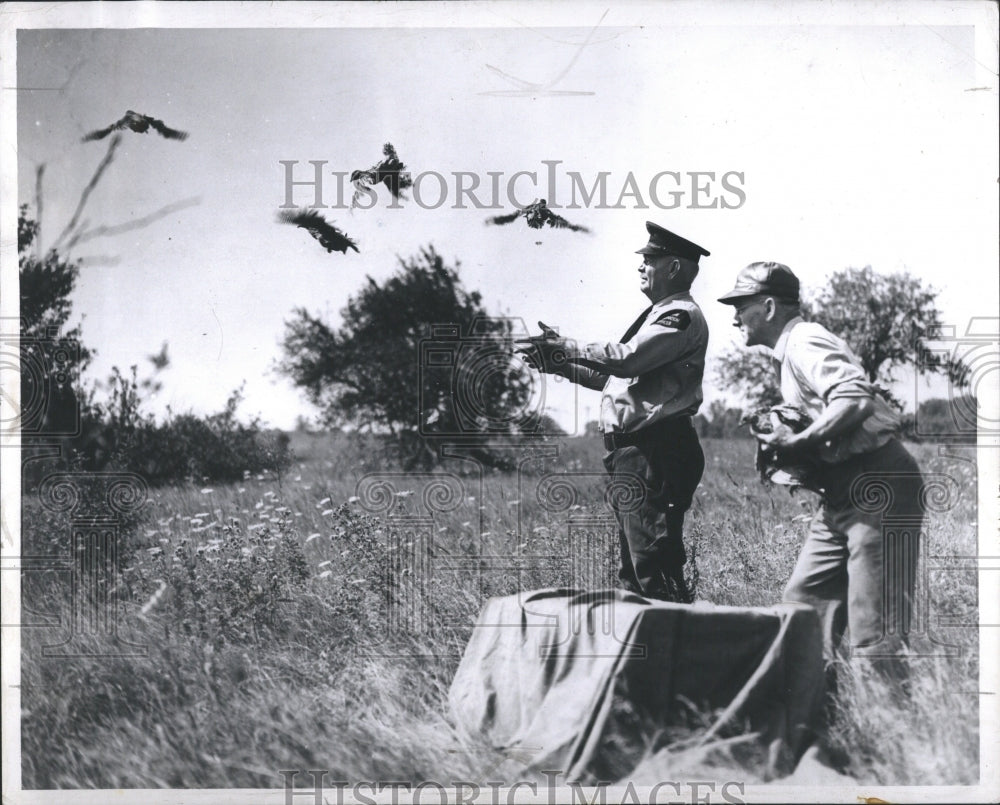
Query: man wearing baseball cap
x,y
651,387
852,571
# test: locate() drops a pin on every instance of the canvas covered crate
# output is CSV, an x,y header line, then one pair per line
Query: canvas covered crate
x,y
590,684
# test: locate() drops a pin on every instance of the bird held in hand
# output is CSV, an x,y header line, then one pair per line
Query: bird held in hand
x,y
329,237
139,124
537,215
782,418
546,352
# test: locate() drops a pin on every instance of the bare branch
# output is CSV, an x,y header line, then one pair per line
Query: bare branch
x,y
108,158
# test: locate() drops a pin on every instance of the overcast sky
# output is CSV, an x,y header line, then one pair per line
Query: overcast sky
x,y
857,139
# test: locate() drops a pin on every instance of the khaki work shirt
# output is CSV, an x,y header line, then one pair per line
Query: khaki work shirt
x,y
653,375
816,367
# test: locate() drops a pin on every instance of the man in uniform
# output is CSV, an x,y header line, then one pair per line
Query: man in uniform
x,y
848,570
651,388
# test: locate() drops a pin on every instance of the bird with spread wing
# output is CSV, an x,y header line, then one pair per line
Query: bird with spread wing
x,y
390,171
329,237
139,124
537,215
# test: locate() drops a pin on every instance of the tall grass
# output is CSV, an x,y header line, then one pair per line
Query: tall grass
x,y
287,625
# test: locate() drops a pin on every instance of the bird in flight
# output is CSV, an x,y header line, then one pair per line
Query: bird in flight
x,y
139,124
390,171
329,237
537,215
160,360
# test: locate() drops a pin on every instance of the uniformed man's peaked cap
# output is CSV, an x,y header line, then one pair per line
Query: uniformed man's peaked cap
x,y
663,241
770,279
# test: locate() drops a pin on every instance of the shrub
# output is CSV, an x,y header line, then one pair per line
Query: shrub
x,y
118,435
943,420
231,588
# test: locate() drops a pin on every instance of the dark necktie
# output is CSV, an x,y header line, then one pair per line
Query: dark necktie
x,y
631,331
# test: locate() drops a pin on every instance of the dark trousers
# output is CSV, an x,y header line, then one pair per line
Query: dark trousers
x,y
858,565
652,484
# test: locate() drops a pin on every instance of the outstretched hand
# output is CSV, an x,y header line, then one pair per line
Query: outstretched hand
x,y
547,331
545,352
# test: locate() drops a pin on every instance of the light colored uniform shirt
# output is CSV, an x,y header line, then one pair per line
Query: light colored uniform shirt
x,y
654,375
816,367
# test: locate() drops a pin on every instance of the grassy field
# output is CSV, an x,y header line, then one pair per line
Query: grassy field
x,y
304,621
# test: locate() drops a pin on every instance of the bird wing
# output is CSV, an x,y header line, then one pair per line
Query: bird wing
x,y
363,180
400,181
350,244
561,223
792,416
160,360
331,238
387,171
308,219
100,134
390,168
759,421
166,131
395,181
504,219
325,228
391,163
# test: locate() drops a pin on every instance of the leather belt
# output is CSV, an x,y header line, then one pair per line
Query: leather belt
x,y
615,440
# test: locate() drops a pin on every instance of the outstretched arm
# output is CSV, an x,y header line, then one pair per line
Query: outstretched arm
x,y
666,340
585,376
549,353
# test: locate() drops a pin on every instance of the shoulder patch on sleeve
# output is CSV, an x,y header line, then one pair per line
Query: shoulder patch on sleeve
x,y
675,319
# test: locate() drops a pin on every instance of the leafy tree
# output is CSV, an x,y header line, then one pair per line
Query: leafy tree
x,y
721,422
52,357
885,318
115,433
750,372
376,372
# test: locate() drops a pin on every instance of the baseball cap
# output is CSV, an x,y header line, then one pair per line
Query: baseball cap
x,y
772,279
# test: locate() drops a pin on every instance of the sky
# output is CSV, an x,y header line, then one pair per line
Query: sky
x,y
866,137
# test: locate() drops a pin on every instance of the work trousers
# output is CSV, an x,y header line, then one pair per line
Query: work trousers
x,y
857,567
652,483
